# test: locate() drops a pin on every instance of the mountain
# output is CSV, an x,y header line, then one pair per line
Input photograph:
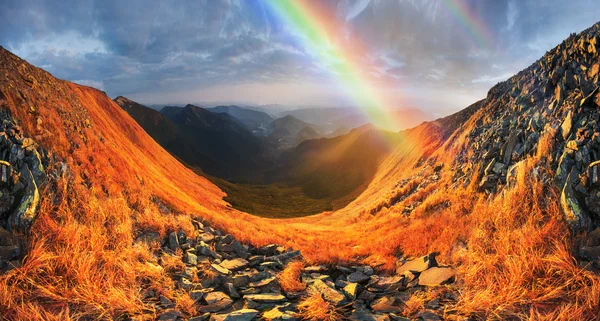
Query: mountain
x,y
289,131
218,144
330,119
256,121
497,203
162,129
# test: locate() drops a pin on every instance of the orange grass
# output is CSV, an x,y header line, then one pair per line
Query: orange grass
x,y
315,308
290,277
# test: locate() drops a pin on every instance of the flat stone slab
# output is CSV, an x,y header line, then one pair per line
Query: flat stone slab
x,y
266,297
239,315
234,264
417,265
437,276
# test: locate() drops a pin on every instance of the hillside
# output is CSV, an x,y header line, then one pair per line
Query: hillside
x,y
289,131
505,191
256,121
217,143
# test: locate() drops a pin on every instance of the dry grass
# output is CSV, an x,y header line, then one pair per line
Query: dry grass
x,y
290,277
315,308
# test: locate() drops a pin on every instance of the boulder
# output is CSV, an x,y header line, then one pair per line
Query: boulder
x,y
358,277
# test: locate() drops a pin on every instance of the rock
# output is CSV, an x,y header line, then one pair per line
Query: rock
x,y
284,256
230,289
575,216
417,265
173,241
351,290
428,316
263,282
196,295
566,125
171,315
214,297
358,277
363,314
191,258
240,280
385,304
216,301
220,269
266,297
437,276
329,294
25,213
590,253
204,317
206,237
9,252
276,314
239,315
234,264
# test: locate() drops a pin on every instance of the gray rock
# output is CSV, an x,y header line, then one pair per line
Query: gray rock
x,y
25,213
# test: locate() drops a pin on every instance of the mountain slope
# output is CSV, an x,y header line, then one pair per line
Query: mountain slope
x,y
162,129
217,143
256,121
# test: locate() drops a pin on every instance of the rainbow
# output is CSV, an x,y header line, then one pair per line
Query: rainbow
x,y
320,34
471,23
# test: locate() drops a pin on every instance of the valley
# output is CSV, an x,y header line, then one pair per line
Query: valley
x,y
111,209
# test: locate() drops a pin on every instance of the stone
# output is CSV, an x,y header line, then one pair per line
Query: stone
x,y
25,213
239,281
234,264
351,290
9,252
216,301
220,269
196,295
437,276
204,317
385,304
239,315
277,314
191,258
574,214
358,277
329,294
173,241
230,289
266,297
566,125
206,237
171,315
263,282
428,316
417,265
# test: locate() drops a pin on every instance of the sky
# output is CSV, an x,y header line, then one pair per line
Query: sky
x,y
435,55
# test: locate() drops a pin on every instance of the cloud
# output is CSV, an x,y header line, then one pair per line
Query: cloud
x,y
237,49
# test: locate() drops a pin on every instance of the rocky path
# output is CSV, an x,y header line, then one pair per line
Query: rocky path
x,y
232,281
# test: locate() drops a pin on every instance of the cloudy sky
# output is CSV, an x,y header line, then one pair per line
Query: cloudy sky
x,y
440,55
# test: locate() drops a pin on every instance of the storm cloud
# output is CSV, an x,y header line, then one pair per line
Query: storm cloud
x,y
237,51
